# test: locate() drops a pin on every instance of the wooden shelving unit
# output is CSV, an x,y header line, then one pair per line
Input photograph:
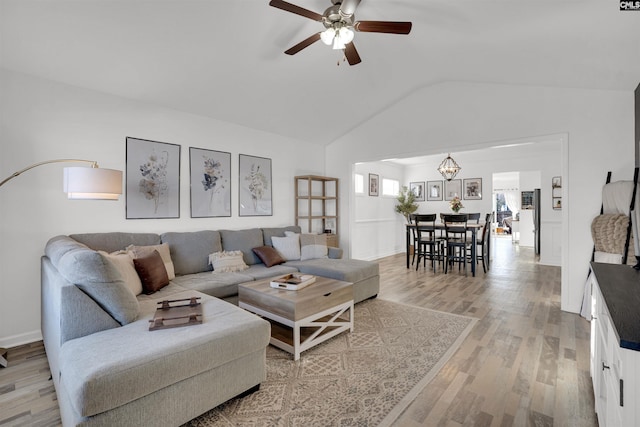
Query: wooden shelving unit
x,y
316,205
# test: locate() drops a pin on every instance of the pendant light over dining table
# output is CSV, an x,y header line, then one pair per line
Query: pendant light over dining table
x,y
449,168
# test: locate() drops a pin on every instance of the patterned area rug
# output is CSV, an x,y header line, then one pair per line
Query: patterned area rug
x,y
364,378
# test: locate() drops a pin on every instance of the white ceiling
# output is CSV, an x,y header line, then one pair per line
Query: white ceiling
x,y
225,60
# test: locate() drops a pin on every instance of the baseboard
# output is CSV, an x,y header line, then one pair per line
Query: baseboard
x,y
16,340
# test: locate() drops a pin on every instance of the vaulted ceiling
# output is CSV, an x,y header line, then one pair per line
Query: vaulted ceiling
x,y
225,60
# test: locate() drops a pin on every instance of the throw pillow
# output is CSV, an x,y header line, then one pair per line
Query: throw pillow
x,y
269,255
313,246
227,261
288,246
124,264
152,272
163,250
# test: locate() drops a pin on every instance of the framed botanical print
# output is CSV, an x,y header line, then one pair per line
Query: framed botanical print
x,y
417,188
472,188
434,190
255,186
210,183
153,179
452,189
374,184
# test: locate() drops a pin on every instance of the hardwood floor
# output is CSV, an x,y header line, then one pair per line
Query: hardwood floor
x,y
526,363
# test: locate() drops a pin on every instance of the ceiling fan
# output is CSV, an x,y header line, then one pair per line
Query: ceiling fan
x,y
339,22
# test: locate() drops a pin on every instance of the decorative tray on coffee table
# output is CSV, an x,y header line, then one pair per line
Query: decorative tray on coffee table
x,y
176,313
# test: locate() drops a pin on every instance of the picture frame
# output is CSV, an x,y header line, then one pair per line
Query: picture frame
x,y
557,203
417,188
556,182
254,186
472,188
434,190
210,183
152,179
374,184
452,189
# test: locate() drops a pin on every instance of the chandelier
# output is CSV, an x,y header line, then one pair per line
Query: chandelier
x,y
449,168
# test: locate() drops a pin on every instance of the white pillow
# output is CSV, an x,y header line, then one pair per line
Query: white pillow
x,y
313,246
163,250
289,247
124,264
227,261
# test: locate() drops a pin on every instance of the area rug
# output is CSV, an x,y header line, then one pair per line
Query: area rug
x,y
363,378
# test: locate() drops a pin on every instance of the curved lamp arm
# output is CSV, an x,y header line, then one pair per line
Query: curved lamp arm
x,y
83,183
94,164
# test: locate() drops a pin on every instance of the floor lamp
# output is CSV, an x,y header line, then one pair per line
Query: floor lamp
x,y
81,183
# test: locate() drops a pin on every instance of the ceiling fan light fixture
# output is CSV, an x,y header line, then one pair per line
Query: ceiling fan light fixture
x,y
342,37
327,36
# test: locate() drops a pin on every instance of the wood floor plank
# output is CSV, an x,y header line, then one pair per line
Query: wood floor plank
x,y
525,362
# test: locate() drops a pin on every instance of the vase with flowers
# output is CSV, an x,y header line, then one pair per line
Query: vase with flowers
x,y
456,204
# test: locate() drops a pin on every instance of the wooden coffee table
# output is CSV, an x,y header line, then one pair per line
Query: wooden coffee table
x,y
301,319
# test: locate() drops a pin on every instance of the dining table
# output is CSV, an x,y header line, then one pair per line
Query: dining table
x,y
473,228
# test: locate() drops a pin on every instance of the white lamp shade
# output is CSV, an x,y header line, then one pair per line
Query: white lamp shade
x,y
92,183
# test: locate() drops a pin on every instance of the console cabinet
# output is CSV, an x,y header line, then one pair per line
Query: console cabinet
x,y
615,344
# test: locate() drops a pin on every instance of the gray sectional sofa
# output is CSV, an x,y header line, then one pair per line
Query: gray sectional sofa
x,y
109,369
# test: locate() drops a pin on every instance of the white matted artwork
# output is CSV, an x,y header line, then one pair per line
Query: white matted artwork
x,y
153,179
473,189
452,189
434,190
210,172
417,188
255,186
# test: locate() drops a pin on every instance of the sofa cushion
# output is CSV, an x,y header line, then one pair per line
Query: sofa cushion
x,y
124,263
313,246
268,255
288,246
220,285
348,270
268,233
190,250
101,372
164,251
116,241
152,272
261,271
243,240
227,261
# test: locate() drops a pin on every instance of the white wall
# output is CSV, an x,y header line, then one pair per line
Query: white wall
x,y
42,120
377,228
458,116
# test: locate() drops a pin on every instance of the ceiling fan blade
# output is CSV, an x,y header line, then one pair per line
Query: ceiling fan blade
x,y
281,4
304,43
383,27
352,54
348,7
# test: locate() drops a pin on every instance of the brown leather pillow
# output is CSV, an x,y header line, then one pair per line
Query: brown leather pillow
x,y
152,272
268,255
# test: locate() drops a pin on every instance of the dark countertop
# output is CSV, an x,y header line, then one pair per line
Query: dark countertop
x,y
620,287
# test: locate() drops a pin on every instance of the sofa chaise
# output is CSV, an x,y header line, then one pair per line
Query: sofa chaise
x,y
109,369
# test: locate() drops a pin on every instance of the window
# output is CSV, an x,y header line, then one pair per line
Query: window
x,y
359,183
390,187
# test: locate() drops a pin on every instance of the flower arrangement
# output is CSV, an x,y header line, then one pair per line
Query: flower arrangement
x,y
257,183
153,184
456,204
213,177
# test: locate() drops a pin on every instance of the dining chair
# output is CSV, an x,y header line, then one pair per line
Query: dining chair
x,y
414,234
456,241
430,246
482,245
474,217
